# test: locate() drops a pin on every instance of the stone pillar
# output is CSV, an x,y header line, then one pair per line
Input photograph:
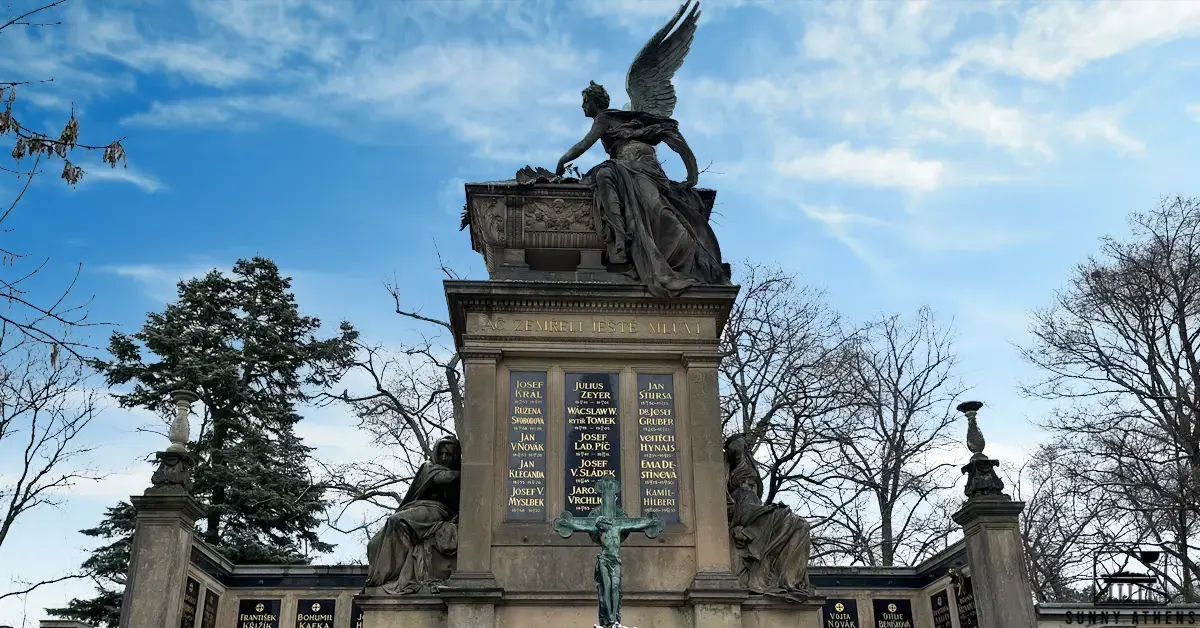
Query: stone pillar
x,y
715,594
471,593
999,573
162,536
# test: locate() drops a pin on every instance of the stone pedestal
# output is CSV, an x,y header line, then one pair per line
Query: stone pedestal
x,y
999,574
541,230
762,612
161,552
513,570
402,611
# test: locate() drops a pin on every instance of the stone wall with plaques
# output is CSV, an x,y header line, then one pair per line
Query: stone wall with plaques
x,y
939,605
657,445
612,367
316,613
259,613
212,602
191,603
964,598
526,472
593,438
892,613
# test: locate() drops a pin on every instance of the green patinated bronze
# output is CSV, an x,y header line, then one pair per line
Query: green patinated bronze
x,y
608,526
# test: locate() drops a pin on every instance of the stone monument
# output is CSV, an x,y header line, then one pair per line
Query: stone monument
x,y
590,366
991,525
162,538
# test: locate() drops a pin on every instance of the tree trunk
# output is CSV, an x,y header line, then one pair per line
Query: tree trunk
x,y
887,541
212,532
1189,592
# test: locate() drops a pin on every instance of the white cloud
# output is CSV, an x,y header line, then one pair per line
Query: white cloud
x,y
839,224
122,174
644,17
1057,39
159,282
1104,125
885,168
206,61
228,112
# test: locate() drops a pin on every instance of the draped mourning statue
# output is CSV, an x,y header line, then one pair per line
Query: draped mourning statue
x,y
417,546
771,541
645,219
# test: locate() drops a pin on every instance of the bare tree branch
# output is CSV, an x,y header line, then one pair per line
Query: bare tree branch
x,y
1119,349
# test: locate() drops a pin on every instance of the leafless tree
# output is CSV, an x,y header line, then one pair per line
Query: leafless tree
x,y
1119,349
781,353
412,396
45,409
887,480
30,316
1061,523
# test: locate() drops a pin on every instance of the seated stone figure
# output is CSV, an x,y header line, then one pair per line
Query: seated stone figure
x,y
416,547
770,542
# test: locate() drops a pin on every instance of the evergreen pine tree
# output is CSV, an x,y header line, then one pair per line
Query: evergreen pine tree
x,y
240,342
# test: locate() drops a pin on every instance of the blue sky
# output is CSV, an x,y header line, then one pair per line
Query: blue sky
x,y
963,155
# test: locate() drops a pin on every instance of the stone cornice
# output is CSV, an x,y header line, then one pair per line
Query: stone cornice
x,y
997,511
160,506
567,297
490,356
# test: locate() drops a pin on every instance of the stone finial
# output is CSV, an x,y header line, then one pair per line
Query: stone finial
x,y
982,480
975,440
174,472
179,427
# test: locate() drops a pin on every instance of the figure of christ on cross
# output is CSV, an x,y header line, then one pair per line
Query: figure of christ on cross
x,y
608,526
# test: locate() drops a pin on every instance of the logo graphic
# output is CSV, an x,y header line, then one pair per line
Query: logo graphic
x,y
839,607
891,608
316,607
260,608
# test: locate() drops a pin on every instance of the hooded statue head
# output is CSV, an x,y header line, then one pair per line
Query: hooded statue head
x,y
448,452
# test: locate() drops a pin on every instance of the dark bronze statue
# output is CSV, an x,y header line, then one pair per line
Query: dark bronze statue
x,y
658,225
771,541
416,547
608,526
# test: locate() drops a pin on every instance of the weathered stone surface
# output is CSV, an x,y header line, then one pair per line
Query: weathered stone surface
x,y
999,574
506,327
159,560
408,611
553,220
416,547
771,542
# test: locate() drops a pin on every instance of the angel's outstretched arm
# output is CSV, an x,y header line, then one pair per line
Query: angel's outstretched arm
x,y
582,147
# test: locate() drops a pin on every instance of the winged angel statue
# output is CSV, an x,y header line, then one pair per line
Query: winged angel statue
x,y
645,218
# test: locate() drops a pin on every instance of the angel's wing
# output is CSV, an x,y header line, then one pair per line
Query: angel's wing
x,y
649,80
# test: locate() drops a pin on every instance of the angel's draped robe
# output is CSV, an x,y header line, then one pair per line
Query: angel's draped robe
x,y
644,217
417,544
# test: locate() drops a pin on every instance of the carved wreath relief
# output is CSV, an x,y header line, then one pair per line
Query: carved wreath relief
x,y
557,215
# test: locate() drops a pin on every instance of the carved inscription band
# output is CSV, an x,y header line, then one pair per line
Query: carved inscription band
x,y
591,326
